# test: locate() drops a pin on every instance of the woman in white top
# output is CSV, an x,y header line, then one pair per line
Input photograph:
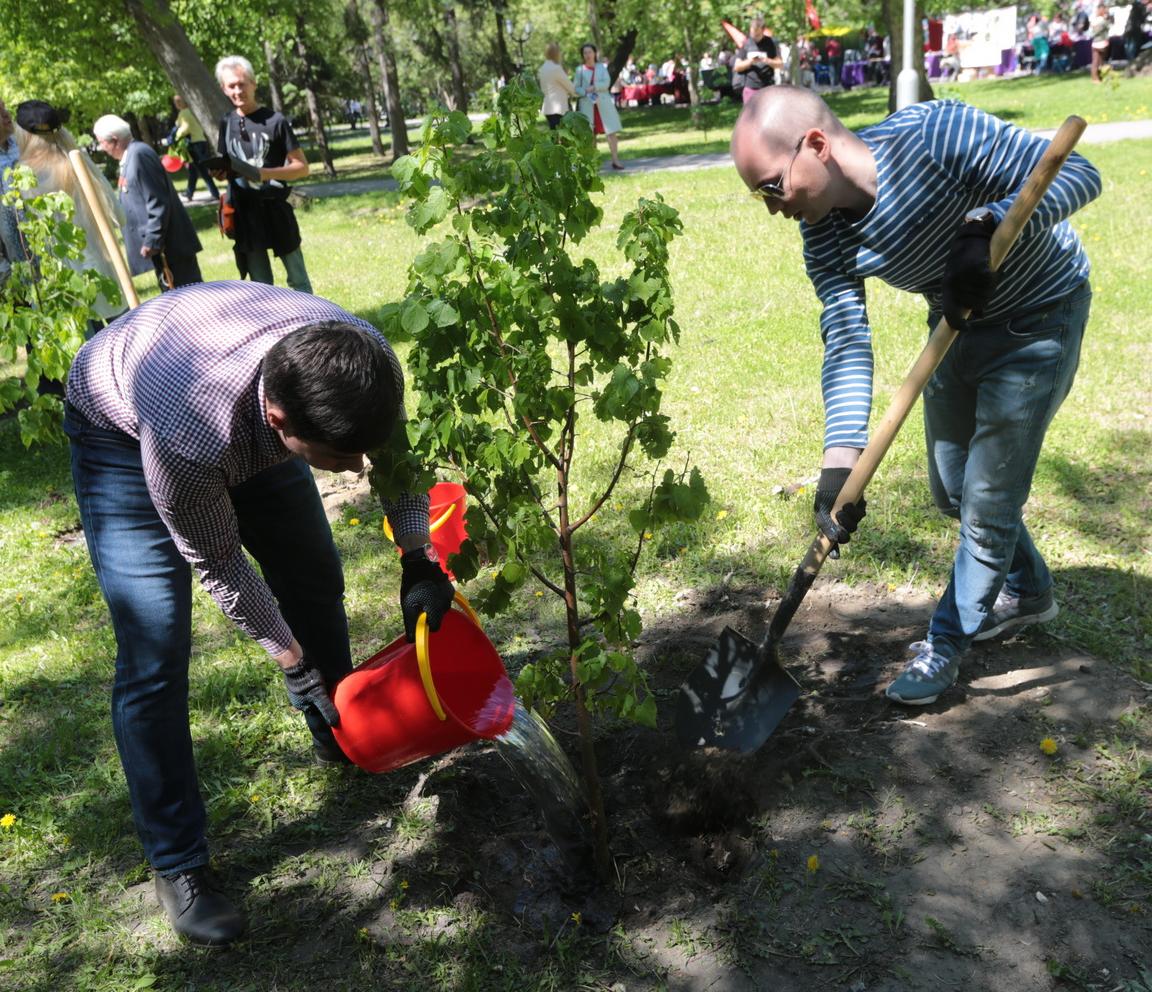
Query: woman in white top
x,y
554,82
596,103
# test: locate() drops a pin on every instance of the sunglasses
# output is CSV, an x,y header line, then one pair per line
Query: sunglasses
x,y
775,190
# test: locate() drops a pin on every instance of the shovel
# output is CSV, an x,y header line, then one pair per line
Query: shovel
x,y
739,695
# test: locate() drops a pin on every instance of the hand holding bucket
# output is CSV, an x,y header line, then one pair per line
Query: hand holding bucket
x,y
411,701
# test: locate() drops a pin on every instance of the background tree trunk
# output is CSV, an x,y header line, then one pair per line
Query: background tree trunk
x,y
693,68
382,38
190,77
274,74
892,11
459,93
623,49
313,101
370,100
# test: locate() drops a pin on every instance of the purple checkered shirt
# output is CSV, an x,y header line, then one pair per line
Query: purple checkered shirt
x,y
181,374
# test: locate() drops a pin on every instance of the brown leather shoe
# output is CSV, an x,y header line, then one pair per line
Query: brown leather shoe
x,y
198,910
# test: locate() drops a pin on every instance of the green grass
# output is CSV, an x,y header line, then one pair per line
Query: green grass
x,y
744,396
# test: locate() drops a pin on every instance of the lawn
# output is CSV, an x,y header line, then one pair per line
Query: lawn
x,y
356,881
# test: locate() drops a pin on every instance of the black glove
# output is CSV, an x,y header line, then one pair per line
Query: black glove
x,y
848,519
424,588
969,282
306,690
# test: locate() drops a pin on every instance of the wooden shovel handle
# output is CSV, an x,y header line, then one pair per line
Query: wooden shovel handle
x,y
1007,231
104,226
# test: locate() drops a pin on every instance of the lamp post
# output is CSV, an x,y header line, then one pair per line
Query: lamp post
x,y
908,82
521,40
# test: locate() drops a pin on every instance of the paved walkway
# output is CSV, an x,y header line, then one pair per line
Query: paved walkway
x,y
1095,134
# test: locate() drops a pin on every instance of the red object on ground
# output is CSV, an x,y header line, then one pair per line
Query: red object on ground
x,y
738,36
387,713
171,163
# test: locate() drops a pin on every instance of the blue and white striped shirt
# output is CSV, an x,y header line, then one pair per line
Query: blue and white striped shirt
x,y
934,162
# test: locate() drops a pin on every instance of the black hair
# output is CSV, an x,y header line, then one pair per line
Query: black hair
x,y
588,44
336,383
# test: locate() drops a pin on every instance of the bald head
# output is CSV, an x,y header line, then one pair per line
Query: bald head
x,y
777,115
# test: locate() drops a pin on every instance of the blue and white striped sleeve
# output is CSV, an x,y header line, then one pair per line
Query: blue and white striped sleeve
x,y
987,155
846,379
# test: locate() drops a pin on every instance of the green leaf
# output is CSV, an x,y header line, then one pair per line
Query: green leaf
x,y
413,317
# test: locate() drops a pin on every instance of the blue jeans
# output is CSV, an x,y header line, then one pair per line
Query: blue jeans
x,y
148,589
199,152
260,269
986,411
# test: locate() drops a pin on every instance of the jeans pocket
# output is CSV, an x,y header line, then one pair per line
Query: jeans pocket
x,y
1045,323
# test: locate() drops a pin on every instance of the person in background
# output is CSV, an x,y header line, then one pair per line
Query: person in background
x,y
187,126
157,230
263,138
1134,30
757,60
834,55
45,145
11,244
592,85
915,201
554,83
194,422
1101,29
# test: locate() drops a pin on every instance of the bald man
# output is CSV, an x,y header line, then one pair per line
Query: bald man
x,y
914,201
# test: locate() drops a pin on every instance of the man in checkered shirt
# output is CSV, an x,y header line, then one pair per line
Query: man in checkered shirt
x,y
193,421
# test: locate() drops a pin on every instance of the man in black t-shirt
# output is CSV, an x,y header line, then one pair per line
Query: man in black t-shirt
x,y
264,218
757,60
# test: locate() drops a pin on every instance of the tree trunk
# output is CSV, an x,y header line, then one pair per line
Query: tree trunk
x,y
382,38
623,49
894,24
370,100
274,91
190,77
459,93
313,101
594,27
502,58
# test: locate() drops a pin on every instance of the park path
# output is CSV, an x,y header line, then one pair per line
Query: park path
x,y
1096,134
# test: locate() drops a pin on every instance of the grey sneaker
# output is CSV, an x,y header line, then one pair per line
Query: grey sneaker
x,y
927,675
1011,613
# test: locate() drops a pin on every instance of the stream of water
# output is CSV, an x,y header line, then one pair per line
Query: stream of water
x,y
536,759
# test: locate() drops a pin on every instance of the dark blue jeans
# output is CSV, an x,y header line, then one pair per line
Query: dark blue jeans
x,y
148,589
199,152
986,411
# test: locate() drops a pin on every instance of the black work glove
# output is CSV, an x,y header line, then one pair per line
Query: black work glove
x,y
848,519
969,282
424,588
306,690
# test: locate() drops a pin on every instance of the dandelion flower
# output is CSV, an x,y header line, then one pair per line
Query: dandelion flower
x,y
254,799
539,593
1049,746
354,522
721,514
404,885
577,918
59,897
813,863
647,535
8,821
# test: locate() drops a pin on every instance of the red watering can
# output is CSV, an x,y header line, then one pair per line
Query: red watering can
x,y
411,701
446,502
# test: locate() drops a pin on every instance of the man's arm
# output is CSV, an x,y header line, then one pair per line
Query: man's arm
x,y
988,155
295,167
152,186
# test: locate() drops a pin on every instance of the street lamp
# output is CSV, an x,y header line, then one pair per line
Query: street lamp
x,y
521,41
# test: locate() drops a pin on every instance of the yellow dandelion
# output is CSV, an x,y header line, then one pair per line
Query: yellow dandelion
x,y
647,535
254,799
539,593
354,522
59,897
1049,746
8,821
813,863
721,514
404,886
20,595
394,904
577,918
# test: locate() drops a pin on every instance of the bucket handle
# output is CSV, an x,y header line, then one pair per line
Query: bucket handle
x,y
424,662
436,524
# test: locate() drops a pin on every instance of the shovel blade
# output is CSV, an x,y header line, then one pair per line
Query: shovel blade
x,y
736,698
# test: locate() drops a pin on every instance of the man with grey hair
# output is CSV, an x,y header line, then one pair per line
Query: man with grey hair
x,y
158,233
264,139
